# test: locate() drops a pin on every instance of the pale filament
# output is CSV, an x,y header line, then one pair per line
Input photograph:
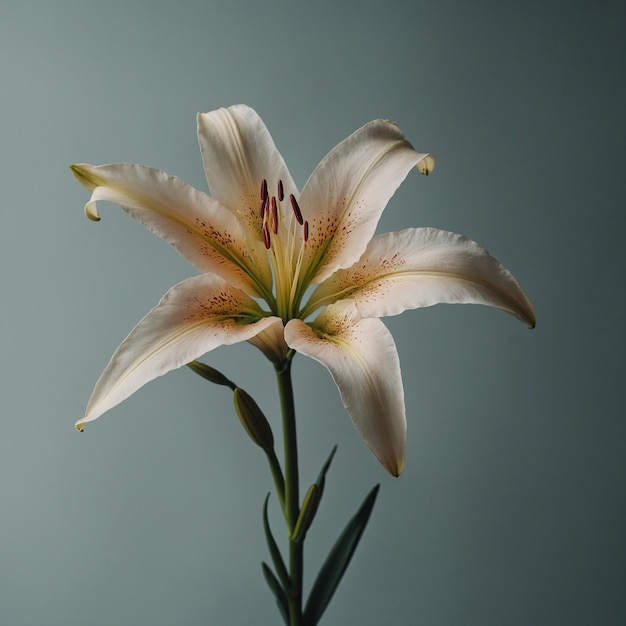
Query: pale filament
x,y
282,253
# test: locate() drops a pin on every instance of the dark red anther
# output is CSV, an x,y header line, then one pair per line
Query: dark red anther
x,y
266,236
296,208
263,189
263,208
306,231
274,216
281,192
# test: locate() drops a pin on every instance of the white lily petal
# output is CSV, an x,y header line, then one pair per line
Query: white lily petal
x,y
346,194
202,231
361,356
194,317
238,154
420,267
322,236
271,341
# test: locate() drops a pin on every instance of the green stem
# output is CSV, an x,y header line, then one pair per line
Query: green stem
x,y
292,499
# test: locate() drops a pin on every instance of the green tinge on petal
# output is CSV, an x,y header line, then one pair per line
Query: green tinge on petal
x,y
239,153
348,191
194,317
205,233
361,356
421,267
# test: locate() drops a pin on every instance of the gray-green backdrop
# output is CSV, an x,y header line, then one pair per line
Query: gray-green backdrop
x,y
511,510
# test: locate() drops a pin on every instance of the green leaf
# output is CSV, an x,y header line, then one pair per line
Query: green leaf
x,y
337,561
277,558
321,479
278,591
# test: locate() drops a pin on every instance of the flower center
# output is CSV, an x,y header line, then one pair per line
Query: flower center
x,y
271,213
284,237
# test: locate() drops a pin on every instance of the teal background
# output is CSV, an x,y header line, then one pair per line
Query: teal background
x,y
511,510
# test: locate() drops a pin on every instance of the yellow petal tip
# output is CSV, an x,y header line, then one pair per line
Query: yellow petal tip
x,y
426,164
394,468
91,212
80,172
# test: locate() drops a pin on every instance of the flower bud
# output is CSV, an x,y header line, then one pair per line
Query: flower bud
x,y
211,374
307,513
253,420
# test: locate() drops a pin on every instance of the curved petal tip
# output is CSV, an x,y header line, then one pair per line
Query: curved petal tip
x,y
426,165
91,212
88,181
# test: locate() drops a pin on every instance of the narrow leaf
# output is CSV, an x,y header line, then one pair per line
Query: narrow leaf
x,y
321,479
337,561
277,558
278,591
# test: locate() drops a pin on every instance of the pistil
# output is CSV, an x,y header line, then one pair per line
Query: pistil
x,y
274,216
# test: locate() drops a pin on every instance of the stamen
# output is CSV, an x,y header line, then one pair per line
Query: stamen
x,y
281,193
264,198
306,231
274,216
296,209
266,236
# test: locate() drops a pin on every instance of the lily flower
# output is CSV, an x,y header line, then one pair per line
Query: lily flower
x,y
289,270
